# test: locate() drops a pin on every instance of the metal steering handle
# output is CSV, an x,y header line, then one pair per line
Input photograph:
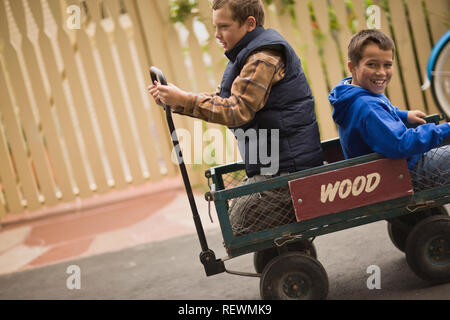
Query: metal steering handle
x,y
157,75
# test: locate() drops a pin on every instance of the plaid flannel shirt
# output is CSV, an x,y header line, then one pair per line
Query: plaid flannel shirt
x,y
249,92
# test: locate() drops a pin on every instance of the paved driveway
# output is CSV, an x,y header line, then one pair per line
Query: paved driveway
x,y
170,269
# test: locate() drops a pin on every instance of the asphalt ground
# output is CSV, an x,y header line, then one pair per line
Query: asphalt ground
x,y
171,270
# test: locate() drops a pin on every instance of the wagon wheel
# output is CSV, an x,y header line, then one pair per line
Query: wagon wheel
x,y
294,276
399,228
398,233
262,258
428,249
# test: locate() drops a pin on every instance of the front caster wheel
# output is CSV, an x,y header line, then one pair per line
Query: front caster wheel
x,y
428,249
294,276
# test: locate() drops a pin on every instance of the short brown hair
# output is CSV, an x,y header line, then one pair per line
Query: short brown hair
x,y
242,9
364,37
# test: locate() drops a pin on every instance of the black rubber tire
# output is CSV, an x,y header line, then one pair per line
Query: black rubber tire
x,y
262,258
428,249
294,276
398,235
399,228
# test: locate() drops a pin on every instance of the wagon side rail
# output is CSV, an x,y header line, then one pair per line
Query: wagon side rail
x,y
337,221
317,226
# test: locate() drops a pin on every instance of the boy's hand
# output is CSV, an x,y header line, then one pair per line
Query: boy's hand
x,y
169,95
152,89
416,116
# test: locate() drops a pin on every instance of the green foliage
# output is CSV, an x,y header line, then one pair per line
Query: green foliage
x,y
334,24
368,3
287,3
351,16
180,10
319,36
385,6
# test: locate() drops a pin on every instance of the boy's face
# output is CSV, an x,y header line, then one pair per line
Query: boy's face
x,y
374,71
228,31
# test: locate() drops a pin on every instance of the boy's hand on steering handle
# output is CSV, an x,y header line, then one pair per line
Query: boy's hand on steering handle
x,y
169,95
153,90
416,116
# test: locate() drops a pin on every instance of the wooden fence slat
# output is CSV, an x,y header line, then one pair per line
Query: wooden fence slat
x,y
7,174
62,109
176,58
332,62
290,31
169,58
58,168
316,78
360,11
12,127
2,208
26,117
218,59
395,87
201,75
439,17
419,28
155,114
136,110
147,118
405,51
93,81
80,103
107,66
14,132
344,35
158,38
62,112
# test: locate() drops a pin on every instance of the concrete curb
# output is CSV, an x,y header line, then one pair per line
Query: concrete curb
x,y
95,201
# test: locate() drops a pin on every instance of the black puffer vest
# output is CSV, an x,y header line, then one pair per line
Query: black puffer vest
x,y
289,111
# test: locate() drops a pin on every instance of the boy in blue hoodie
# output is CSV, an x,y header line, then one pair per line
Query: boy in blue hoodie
x,y
369,123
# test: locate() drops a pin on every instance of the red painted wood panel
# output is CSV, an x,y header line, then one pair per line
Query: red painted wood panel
x,y
351,187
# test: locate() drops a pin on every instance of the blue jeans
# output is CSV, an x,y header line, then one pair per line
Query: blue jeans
x,y
432,170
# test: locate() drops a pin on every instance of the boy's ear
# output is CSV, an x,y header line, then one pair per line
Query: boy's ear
x,y
250,23
350,66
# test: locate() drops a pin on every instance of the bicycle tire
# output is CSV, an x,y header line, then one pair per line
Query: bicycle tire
x,y
440,80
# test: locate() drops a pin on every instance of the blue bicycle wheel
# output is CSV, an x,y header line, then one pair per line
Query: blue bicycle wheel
x,y
440,79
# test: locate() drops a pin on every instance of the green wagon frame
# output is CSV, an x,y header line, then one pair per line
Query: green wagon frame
x,y
285,258
415,208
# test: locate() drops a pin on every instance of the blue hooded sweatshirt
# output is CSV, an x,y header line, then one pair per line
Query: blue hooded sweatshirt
x,y
369,123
